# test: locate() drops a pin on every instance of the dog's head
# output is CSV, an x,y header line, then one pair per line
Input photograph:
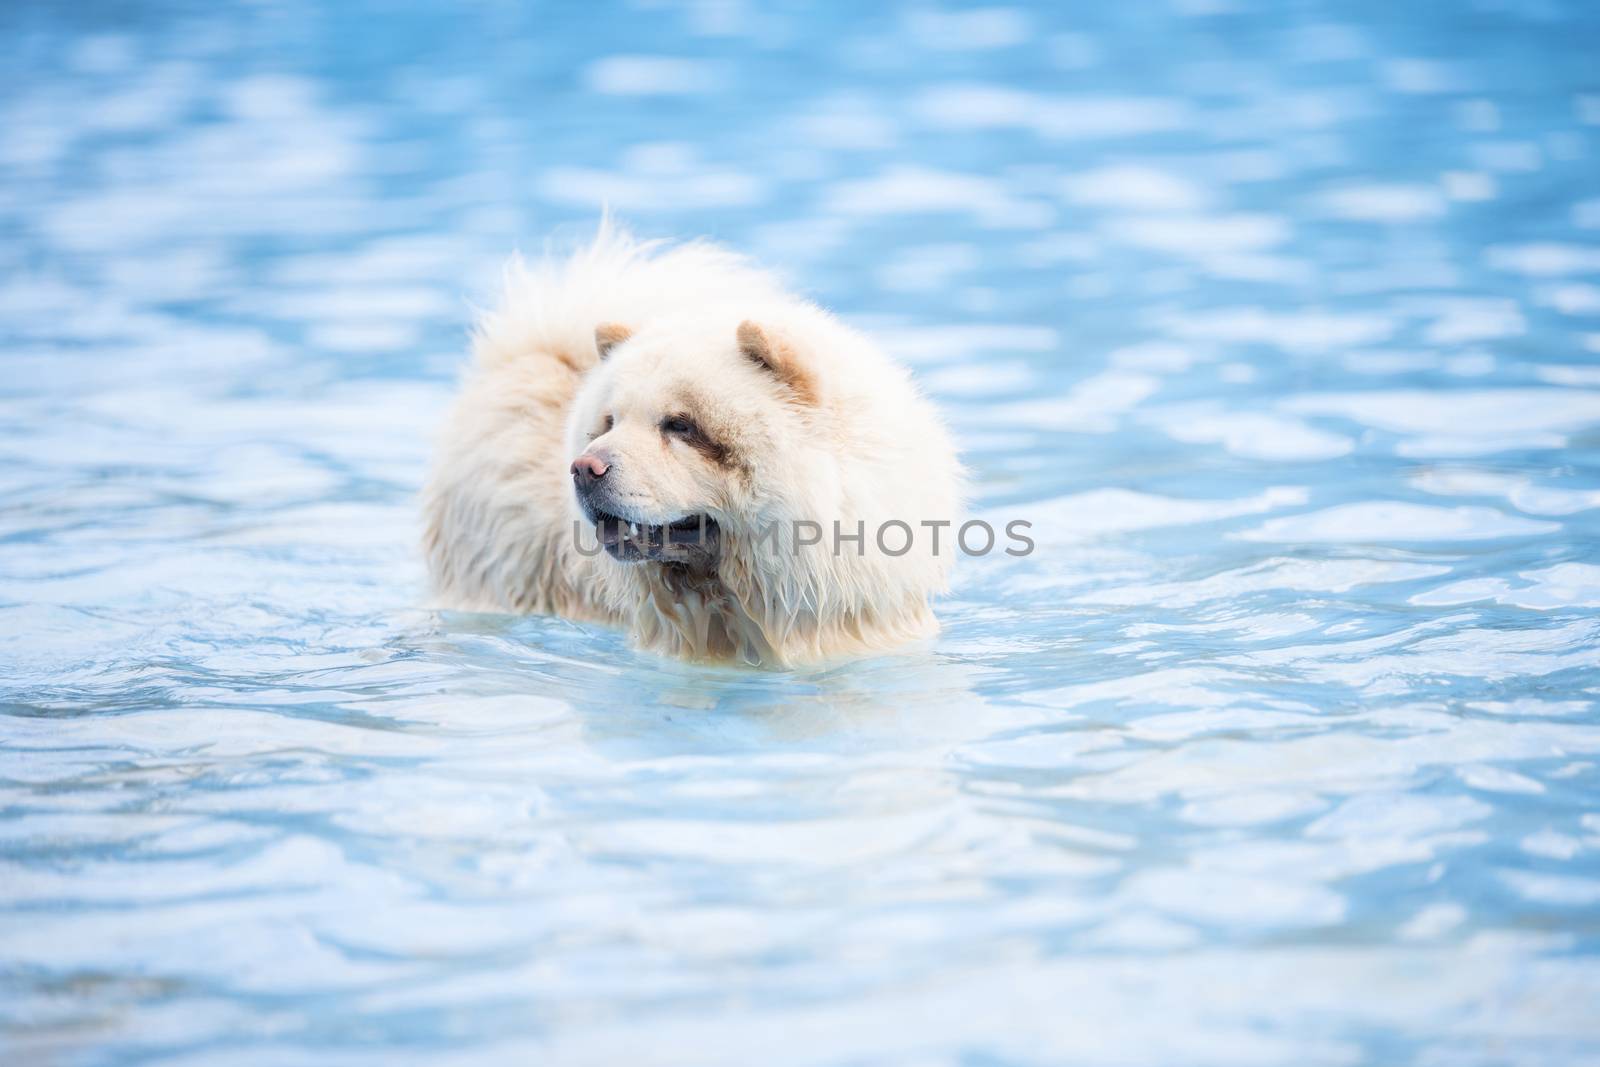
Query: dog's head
x,y
702,442
686,433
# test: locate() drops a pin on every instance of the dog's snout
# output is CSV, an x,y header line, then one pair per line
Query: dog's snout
x,y
588,469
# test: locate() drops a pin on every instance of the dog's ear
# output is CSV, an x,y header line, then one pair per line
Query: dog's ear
x,y
777,358
609,335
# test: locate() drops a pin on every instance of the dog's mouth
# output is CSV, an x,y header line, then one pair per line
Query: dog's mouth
x,y
691,540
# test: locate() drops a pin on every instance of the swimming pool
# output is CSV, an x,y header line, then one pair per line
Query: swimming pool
x,y
1281,326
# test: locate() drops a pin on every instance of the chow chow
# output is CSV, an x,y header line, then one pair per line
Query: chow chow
x,y
661,438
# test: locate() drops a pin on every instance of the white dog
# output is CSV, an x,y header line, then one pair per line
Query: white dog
x,y
662,438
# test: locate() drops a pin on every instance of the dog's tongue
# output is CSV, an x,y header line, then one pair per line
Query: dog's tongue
x,y
651,541
690,531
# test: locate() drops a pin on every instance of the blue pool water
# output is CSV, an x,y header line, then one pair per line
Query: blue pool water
x,y
1280,322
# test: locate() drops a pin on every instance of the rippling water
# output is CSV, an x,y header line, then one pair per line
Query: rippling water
x,y
1280,322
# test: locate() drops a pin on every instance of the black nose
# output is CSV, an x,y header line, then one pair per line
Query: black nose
x,y
588,469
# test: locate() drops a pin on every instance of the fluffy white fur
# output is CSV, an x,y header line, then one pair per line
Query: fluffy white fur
x,y
827,429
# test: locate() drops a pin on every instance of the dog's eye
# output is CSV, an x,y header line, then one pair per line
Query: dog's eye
x,y
677,426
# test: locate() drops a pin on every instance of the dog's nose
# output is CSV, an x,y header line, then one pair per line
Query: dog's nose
x,y
588,469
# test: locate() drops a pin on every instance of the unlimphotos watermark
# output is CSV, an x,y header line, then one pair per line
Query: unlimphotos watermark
x,y
893,537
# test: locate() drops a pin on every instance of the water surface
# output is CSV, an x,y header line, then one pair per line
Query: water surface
x,y
1280,322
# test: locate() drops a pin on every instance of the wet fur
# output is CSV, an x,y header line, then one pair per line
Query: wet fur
x,y
801,417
